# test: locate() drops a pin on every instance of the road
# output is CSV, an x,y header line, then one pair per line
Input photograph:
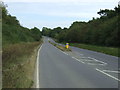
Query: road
x,y
77,69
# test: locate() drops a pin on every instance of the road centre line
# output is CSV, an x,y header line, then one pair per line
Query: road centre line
x,y
37,73
107,74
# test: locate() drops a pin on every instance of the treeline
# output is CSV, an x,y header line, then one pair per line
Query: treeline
x,y
98,31
13,32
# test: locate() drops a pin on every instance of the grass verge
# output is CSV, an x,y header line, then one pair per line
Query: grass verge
x,y
106,50
18,62
60,47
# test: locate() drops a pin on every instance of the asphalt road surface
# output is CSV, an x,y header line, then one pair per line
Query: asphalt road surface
x,y
77,69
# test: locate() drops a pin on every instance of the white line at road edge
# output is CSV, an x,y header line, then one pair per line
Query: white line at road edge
x,y
37,73
108,74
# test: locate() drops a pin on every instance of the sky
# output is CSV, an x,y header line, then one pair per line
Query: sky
x,y
56,13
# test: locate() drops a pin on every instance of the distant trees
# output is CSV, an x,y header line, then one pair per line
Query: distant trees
x,y
106,12
36,34
99,31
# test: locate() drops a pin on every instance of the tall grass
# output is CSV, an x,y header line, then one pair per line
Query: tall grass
x,y
18,64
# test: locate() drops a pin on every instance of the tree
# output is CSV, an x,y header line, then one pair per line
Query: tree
x,y
36,33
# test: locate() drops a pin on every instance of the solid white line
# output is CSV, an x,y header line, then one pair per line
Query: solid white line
x,y
111,71
37,73
108,74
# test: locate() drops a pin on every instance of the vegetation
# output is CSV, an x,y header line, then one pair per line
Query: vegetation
x,y
101,31
18,65
13,32
19,51
106,50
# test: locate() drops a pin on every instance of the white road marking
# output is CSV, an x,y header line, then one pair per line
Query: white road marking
x,y
95,64
107,74
111,71
37,73
83,57
98,60
61,51
86,60
77,59
82,61
72,57
64,52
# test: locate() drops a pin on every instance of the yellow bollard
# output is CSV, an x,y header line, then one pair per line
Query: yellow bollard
x,y
67,45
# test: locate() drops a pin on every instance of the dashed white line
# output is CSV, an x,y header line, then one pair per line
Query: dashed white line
x,y
107,74
37,73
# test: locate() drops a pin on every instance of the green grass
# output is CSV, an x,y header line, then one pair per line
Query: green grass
x,y
106,50
60,47
19,64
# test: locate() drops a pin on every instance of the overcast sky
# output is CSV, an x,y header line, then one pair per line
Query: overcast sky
x,y
54,13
